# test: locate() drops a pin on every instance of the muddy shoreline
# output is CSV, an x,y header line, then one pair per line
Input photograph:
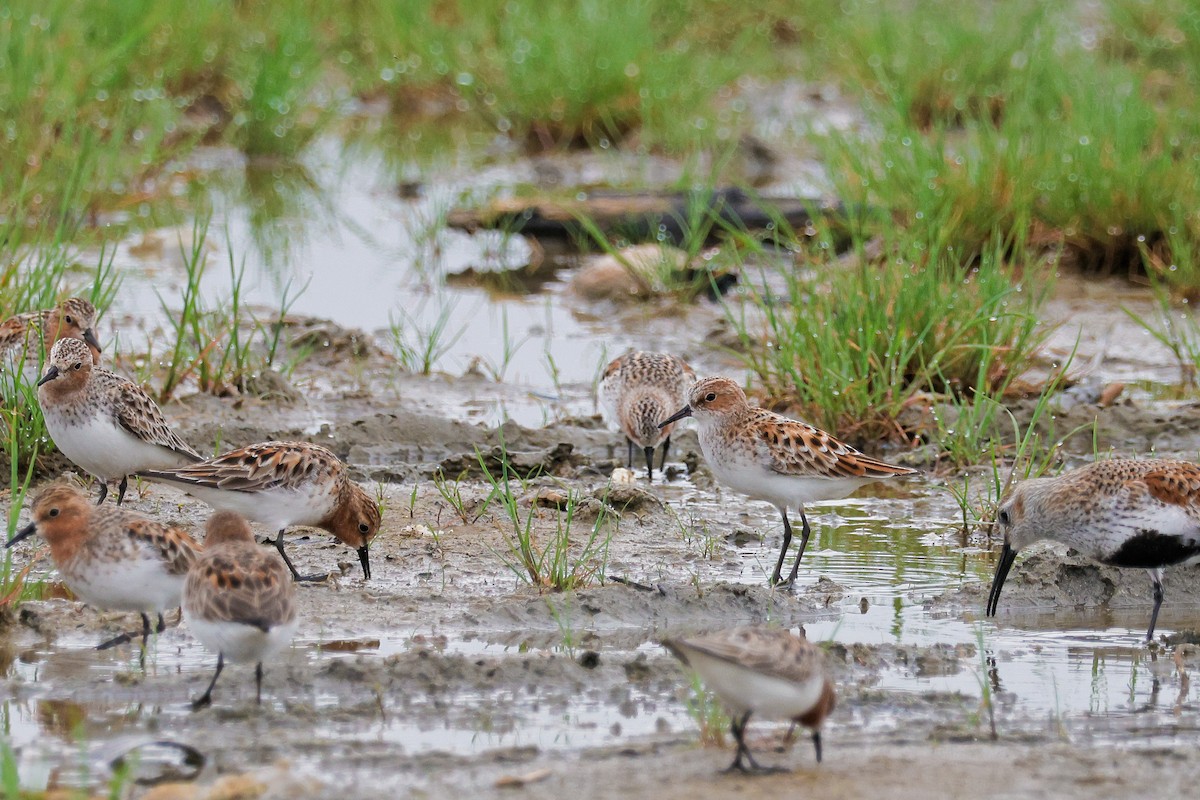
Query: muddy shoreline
x,y
447,673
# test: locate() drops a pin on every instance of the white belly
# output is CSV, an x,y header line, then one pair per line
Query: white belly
x,y
105,449
126,585
240,643
276,509
782,491
743,690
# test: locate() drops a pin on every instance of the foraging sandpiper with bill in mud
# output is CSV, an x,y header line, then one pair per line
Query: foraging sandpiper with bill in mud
x,y
1124,512
279,484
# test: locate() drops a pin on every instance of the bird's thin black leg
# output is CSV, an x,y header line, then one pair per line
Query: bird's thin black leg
x,y
649,451
206,698
162,624
296,576
737,726
662,465
146,628
630,443
1156,577
816,737
805,532
787,541
121,489
258,686
103,492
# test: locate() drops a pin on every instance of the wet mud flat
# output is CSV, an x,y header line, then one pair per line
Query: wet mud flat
x,y
449,673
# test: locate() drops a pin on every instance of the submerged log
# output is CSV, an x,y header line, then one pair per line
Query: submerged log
x,y
669,217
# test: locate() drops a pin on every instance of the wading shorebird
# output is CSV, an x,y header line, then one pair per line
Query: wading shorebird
x,y
770,457
637,391
26,339
112,558
1123,512
239,600
279,484
107,425
764,671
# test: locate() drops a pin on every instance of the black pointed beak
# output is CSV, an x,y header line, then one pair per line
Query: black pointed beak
x,y
21,535
364,558
50,375
1007,557
686,411
89,338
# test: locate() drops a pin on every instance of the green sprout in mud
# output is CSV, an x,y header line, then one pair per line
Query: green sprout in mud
x,y
565,620
708,714
1026,456
986,701
509,347
451,492
419,347
550,561
218,347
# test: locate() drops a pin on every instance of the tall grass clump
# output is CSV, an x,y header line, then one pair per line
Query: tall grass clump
x,y
547,560
851,348
220,347
549,74
1001,128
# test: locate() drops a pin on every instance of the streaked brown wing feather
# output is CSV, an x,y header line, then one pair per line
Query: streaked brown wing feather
x,y
791,447
770,651
244,584
1177,485
176,547
140,415
258,467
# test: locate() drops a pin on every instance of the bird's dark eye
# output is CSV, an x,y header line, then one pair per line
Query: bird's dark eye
x,y
78,365
69,320
53,512
1004,517
708,398
363,527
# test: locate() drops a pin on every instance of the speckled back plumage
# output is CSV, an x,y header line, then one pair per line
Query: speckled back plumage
x,y
1110,509
640,389
770,651
115,531
263,467
241,582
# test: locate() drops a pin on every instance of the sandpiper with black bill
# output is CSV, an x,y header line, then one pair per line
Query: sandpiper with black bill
x,y
281,484
112,558
770,457
1123,512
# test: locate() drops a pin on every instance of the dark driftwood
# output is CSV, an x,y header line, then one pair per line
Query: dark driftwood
x,y
647,216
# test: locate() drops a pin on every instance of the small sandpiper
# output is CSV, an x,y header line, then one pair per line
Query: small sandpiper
x,y
26,339
764,671
637,391
279,484
770,457
104,423
239,600
112,558
1123,512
